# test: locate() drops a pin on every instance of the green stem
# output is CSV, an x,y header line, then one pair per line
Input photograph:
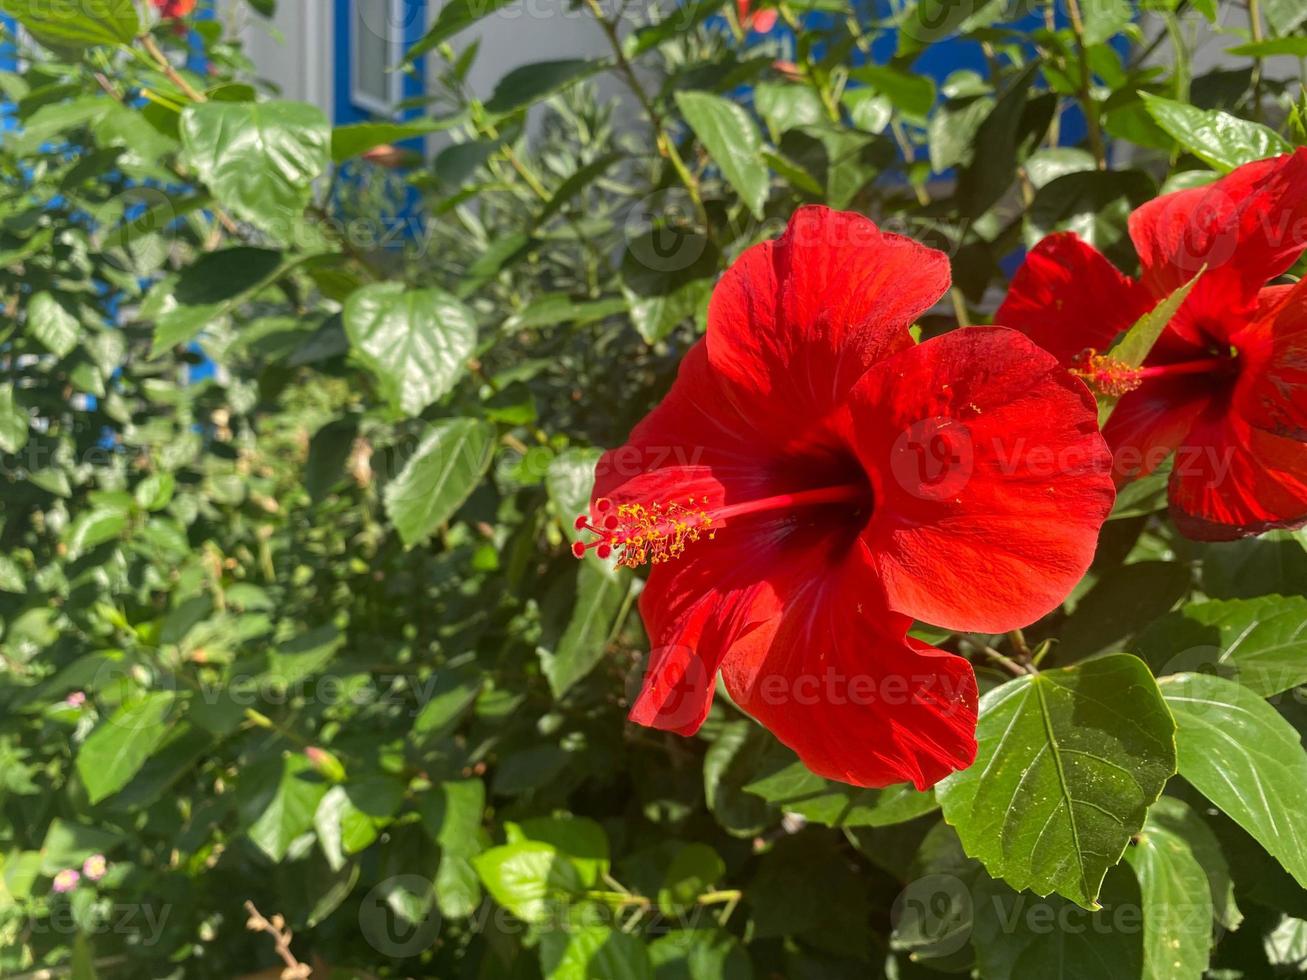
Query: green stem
x,y
1086,94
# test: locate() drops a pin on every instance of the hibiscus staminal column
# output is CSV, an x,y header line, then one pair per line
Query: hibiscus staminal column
x,y
641,535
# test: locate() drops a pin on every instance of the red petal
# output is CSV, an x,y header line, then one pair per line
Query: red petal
x,y
696,444
795,322
836,680
1247,228
1272,392
1067,296
1148,424
991,480
1230,480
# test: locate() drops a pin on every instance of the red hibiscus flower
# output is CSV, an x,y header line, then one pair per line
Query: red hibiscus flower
x,y
1222,388
814,481
762,22
172,9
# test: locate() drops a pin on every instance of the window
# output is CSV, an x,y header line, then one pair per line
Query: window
x,y
377,29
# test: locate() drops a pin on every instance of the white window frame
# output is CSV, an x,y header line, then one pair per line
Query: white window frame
x,y
395,44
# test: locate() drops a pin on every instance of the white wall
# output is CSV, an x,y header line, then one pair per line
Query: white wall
x,y
293,51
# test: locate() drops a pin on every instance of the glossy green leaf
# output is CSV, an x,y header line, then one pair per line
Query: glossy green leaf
x,y
1238,752
528,84
732,140
1261,643
452,814
443,471
14,421
258,158
119,746
529,878
590,951
76,25
602,592
1217,138
453,17
416,341
1069,762
51,324
700,954
283,806
1177,903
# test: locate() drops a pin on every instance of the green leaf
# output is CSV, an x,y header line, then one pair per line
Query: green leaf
x,y
695,869
258,158
994,158
454,17
591,951
533,82
1137,343
1104,19
14,421
913,94
119,746
92,528
951,133
329,452
1284,16
601,594
451,814
1069,762
529,878
1238,752
449,695
212,287
570,480
580,840
1095,204
1260,643
350,817
1122,603
1177,904
784,106
67,844
1180,821
285,804
11,576
572,186
155,491
62,25
51,324
1219,139
796,789
1017,937
442,473
1294,46
416,341
348,142
700,954
732,140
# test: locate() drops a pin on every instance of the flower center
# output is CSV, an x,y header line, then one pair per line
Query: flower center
x,y
1108,376
659,532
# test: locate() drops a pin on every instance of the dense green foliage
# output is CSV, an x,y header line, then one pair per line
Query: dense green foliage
x,y
305,631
